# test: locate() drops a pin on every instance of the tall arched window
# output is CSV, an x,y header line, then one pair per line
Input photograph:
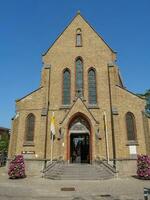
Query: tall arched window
x,y
92,86
78,37
66,87
30,125
131,126
79,77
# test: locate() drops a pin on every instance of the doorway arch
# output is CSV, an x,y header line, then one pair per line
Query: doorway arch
x,y
79,139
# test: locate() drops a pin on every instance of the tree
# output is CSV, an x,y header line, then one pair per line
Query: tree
x,y
4,144
146,96
147,107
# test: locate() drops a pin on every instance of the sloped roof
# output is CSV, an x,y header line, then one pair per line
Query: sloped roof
x,y
84,105
4,129
28,94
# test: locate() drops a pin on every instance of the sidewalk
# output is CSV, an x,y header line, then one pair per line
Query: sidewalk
x,y
37,188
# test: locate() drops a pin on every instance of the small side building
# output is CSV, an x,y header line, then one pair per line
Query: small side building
x,y
4,133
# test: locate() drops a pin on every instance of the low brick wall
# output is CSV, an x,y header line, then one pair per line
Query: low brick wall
x,y
33,167
126,167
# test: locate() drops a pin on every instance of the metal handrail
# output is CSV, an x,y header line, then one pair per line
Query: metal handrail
x,y
51,164
104,162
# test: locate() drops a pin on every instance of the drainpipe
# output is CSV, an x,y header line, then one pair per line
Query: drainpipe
x,y
106,136
112,120
47,107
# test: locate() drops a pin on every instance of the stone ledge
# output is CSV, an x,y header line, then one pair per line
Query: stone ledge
x,y
93,107
65,107
28,144
132,143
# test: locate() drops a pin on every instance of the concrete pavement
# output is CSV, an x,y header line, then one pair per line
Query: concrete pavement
x,y
38,188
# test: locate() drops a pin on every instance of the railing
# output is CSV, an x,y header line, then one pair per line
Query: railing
x,y
3,159
106,164
51,165
109,166
146,193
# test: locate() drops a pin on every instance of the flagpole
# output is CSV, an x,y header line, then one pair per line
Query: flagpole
x,y
52,148
48,67
52,135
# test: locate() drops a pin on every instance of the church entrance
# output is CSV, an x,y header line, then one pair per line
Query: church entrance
x,y
79,137
79,148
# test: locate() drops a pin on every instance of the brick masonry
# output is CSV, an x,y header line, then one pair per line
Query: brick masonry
x,y
95,53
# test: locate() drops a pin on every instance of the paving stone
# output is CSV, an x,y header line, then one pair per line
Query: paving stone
x,y
37,188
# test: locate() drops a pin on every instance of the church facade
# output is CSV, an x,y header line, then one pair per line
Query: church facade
x,y
96,117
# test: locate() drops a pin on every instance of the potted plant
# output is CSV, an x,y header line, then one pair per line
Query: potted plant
x,y
17,168
143,167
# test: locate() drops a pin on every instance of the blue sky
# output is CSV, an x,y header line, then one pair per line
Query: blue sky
x,y
28,28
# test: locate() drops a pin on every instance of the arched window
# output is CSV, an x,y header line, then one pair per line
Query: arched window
x,y
131,126
79,77
30,125
78,37
66,87
92,86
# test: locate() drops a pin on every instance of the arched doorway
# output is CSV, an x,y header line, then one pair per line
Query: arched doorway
x,y
79,140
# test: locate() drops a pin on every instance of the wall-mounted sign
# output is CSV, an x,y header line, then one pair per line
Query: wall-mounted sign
x,y
28,152
132,150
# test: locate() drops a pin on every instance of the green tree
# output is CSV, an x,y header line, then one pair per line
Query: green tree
x,y
4,144
147,108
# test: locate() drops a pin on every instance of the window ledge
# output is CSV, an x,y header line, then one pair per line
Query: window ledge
x,y
65,107
78,46
93,106
132,142
28,144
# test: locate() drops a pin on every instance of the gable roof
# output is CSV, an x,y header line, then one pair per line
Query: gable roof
x,y
138,96
78,13
29,94
84,105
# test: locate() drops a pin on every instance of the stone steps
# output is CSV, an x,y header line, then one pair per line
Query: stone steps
x,y
79,172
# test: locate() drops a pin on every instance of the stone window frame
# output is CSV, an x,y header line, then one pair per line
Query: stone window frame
x,y
66,69
28,142
92,104
79,58
134,140
79,34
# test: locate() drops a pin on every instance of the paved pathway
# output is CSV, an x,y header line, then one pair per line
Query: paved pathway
x,y
37,188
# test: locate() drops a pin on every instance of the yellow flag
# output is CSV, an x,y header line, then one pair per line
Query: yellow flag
x,y
52,126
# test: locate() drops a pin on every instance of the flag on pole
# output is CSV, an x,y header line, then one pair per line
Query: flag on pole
x,y
53,127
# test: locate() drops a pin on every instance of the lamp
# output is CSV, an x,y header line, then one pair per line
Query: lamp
x,y
60,134
98,135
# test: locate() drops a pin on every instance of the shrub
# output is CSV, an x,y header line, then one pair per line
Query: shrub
x,y
143,166
17,168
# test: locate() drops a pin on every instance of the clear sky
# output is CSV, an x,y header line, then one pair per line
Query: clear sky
x,y
28,28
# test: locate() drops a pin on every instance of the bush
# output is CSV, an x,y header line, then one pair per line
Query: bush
x,y
4,144
17,168
143,166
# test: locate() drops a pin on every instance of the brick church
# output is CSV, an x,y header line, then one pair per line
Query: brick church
x,y
96,117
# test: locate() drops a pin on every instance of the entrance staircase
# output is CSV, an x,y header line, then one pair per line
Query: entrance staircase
x,y
62,171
